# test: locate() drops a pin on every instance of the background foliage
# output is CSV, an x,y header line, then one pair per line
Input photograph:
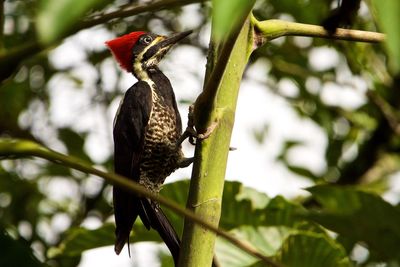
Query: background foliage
x,y
47,211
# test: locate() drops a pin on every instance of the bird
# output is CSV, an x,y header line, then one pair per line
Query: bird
x,y
146,132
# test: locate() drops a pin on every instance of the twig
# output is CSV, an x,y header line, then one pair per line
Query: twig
x,y
268,30
132,10
25,148
387,111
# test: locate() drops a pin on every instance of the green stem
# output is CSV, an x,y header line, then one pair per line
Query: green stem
x,y
268,30
216,104
24,148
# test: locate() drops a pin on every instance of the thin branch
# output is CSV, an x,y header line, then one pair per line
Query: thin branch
x,y
387,111
24,148
132,10
268,30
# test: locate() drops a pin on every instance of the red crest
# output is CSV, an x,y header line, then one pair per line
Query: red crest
x,y
121,48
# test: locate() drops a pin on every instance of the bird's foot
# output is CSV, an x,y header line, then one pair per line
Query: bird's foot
x,y
191,132
185,162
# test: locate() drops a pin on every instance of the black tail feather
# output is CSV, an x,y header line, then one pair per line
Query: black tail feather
x,y
126,211
153,214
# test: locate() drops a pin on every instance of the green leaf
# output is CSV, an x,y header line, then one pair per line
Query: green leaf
x,y
15,253
304,246
389,21
74,142
309,249
238,202
267,239
78,240
302,172
56,18
360,217
165,258
227,14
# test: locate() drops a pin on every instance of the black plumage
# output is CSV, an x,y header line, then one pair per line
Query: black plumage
x,y
342,16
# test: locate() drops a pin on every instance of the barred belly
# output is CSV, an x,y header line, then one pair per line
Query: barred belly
x,y
160,156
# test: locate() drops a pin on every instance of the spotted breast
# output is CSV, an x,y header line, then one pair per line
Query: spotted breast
x,y
160,155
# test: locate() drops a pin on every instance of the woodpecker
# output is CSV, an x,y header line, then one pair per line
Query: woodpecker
x,y
147,128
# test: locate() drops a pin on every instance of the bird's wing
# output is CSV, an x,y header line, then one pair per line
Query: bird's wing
x,y
129,131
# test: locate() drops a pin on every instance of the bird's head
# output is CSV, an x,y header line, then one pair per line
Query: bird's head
x,y
139,51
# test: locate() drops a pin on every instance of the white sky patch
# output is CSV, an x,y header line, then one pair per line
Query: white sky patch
x,y
302,42
72,52
25,229
67,101
255,164
60,222
323,58
344,96
190,16
184,65
107,70
393,194
67,55
97,36
60,188
92,185
91,223
105,256
288,88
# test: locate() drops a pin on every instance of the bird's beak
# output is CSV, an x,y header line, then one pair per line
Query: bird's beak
x,y
171,40
159,49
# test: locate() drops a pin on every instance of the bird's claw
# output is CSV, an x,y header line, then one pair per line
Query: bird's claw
x,y
190,131
210,129
185,162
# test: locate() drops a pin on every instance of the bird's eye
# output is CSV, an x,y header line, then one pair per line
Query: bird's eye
x,y
147,39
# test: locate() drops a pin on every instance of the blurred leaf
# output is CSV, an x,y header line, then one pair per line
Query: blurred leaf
x,y
302,172
238,202
15,253
361,217
334,151
257,199
260,133
74,142
312,250
165,258
78,240
56,170
267,239
302,246
24,198
56,18
389,21
14,99
311,11
227,14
